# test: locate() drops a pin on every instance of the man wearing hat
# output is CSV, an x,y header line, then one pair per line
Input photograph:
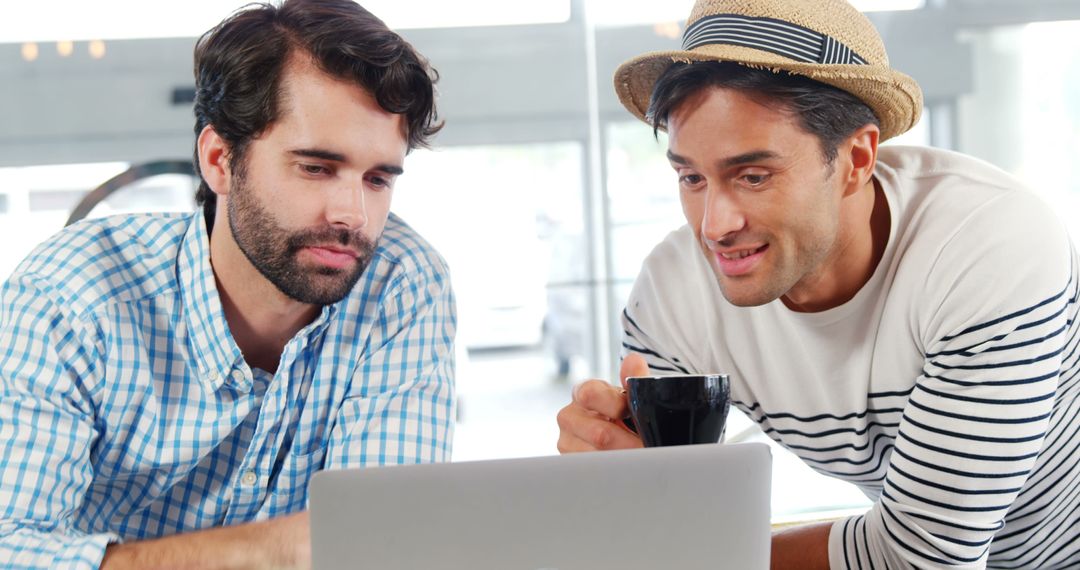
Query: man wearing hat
x,y
901,318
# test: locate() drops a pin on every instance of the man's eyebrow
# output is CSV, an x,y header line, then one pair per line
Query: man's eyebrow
x,y
391,169
745,158
676,158
322,154
319,153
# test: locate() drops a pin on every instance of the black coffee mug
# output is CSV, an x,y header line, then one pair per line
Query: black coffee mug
x,y
680,409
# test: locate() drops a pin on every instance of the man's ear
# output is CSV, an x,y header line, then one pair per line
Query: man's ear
x,y
860,152
214,161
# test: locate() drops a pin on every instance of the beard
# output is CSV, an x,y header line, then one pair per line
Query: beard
x,y
776,278
273,250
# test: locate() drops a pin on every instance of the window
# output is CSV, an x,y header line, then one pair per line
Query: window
x,y
38,200
509,221
612,13
1024,114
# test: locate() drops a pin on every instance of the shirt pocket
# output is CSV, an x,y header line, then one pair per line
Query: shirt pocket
x,y
290,492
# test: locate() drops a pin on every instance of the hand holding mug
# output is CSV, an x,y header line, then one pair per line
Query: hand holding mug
x,y
594,419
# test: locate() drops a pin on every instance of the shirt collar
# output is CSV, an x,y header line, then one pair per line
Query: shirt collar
x,y
212,345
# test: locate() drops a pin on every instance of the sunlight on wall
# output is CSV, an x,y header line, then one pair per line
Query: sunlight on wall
x,y
130,19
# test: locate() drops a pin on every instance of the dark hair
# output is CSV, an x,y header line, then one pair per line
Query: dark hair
x,y
238,69
829,113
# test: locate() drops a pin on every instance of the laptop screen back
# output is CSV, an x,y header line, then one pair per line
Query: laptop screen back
x,y
699,506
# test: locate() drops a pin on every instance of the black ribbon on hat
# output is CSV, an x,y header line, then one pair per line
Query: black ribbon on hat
x,y
771,35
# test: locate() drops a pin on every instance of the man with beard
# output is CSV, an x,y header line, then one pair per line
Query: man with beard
x,y
901,318
169,384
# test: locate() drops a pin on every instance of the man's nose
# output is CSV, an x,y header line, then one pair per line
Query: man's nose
x,y
723,216
347,207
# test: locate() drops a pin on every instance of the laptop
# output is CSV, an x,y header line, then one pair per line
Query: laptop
x,y
686,507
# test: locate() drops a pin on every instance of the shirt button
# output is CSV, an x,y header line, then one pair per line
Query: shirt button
x,y
249,479
212,376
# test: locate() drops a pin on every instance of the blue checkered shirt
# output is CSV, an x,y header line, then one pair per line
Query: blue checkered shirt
x,y
127,410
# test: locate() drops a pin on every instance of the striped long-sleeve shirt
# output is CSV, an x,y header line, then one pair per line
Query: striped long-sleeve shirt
x,y
127,410
946,389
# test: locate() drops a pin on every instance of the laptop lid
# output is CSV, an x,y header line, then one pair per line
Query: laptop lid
x,y
696,506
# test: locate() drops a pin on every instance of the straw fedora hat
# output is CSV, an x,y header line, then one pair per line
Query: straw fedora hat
x,y
826,40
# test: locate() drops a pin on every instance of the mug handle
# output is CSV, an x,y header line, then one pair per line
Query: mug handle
x,y
627,420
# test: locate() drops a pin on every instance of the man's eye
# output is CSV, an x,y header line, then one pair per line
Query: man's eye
x,y
690,179
755,179
379,182
314,169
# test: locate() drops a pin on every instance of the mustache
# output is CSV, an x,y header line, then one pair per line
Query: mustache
x,y
352,240
730,240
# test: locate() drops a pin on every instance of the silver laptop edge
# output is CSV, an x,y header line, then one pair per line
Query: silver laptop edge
x,y
699,506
